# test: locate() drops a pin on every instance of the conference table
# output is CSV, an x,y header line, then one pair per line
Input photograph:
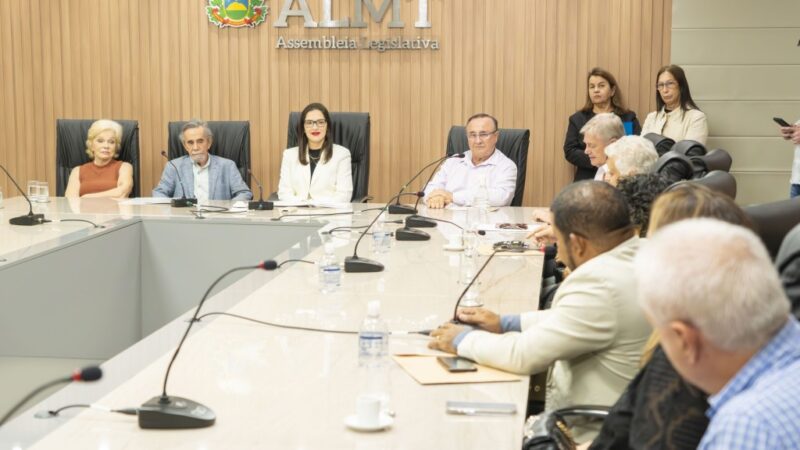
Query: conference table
x,y
121,290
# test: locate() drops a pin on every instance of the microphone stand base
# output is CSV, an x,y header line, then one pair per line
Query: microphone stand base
x,y
416,221
174,413
183,202
410,234
354,264
27,220
402,209
260,205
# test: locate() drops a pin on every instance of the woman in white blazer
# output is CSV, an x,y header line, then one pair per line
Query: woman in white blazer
x,y
677,116
321,170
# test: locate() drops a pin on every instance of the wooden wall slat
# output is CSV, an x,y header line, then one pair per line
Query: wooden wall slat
x,y
522,60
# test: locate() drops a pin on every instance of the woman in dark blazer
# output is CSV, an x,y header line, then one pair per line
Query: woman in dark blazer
x,y
602,96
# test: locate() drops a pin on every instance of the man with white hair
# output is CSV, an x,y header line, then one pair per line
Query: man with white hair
x,y
600,131
710,290
628,156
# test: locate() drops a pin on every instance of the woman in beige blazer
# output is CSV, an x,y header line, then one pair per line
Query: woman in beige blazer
x,y
321,170
677,116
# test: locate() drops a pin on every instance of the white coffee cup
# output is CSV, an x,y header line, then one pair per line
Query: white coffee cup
x,y
368,408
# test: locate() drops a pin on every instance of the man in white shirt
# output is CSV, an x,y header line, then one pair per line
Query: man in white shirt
x,y
206,177
483,168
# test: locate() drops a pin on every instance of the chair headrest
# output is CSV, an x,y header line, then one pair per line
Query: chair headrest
x,y
689,147
663,144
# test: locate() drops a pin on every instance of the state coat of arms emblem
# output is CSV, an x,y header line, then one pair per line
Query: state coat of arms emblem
x,y
236,13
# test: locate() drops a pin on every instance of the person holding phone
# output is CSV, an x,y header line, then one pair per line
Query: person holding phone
x,y
792,133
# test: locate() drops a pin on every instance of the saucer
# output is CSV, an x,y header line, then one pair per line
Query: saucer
x,y
384,421
453,248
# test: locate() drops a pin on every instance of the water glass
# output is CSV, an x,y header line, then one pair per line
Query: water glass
x,y
468,266
470,240
33,191
44,192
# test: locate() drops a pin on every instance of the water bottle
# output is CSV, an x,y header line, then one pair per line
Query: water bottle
x,y
330,272
481,198
373,337
381,240
373,350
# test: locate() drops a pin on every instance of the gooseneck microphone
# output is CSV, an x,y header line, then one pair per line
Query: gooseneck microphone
x,y
171,412
471,282
30,218
90,373
356,264
404,209
259,205
182,202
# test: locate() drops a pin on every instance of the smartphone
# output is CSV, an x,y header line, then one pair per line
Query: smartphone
x,y
477,408
456,364
781,122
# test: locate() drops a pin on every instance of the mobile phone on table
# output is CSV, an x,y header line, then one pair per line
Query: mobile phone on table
x,y
479,408
781,122
456,364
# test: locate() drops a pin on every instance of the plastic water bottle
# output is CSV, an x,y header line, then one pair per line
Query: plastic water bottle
x,y
373,350
330,271
481,198
381,240
373,337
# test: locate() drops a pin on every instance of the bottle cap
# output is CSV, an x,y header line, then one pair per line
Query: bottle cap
x,y
374,308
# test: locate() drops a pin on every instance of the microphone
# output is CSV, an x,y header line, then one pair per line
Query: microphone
x,y
90,373
403,209
182,202
407,233
471,282
30,218
355,264
171,412
260,205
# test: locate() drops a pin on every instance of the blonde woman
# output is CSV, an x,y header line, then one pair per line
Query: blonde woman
x,y
103,176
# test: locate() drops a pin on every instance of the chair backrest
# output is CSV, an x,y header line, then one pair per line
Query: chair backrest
x,y
674,167
689,148
513,142
717,159
663,144
716,180
788,264
774,220
231,140
350,130
71,149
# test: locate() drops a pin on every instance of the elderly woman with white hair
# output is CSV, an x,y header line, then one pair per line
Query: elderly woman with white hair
x,y
600,131
103,176
628,156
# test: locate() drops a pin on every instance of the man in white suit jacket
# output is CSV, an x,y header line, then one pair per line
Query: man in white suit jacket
x,y
332,180
592,336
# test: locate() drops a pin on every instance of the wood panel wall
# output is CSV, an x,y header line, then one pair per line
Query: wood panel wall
x,y
155,61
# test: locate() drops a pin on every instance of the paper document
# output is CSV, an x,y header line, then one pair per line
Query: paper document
x,y
427,370
146,201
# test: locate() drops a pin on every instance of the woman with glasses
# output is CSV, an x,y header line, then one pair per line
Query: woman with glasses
x,y
317,169
677,116
602,96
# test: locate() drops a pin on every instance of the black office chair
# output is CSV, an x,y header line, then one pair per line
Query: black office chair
x,y
716,180
717,159
663,144
512,142
71,149
231,140
774,220
351,130
689,148
788,264
674,167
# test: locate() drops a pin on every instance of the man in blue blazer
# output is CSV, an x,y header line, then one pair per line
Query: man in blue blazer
x,y
205,177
